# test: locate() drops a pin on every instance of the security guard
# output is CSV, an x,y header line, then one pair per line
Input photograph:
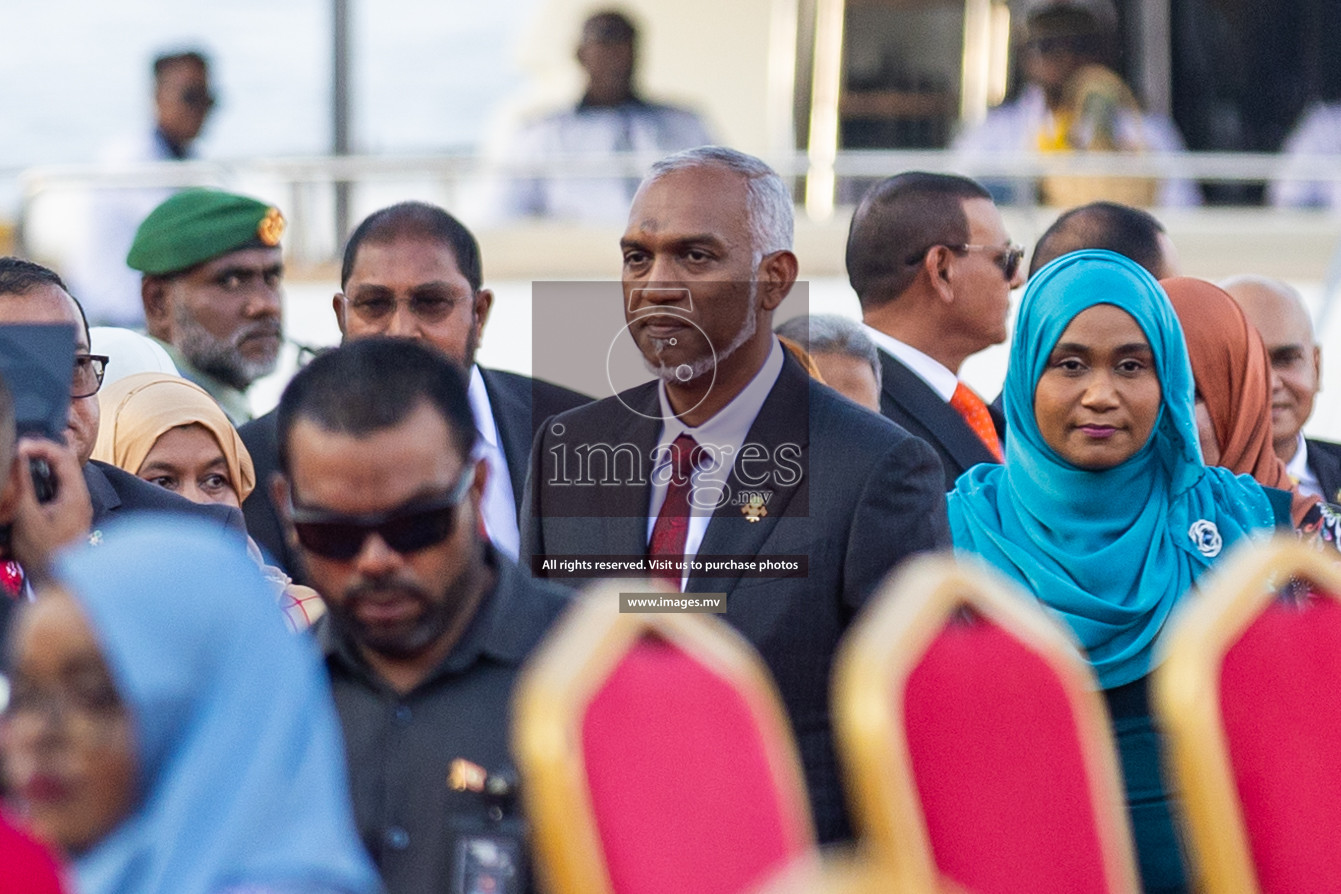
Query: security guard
x,y
427,624
212,266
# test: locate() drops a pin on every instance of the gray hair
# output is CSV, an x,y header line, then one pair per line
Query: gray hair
x,y
768,200
832,334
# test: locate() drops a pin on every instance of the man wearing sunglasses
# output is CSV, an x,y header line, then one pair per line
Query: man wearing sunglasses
x,y
428,624
933,268
87,492
183,99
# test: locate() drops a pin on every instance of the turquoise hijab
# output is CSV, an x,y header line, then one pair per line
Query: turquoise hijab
x,y
1111,551
242,777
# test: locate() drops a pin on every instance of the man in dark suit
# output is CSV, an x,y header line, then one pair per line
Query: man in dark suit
x,y
88,492
414,271
1279,314
930,261
733,471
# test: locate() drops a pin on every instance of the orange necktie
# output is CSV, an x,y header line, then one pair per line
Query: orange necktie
x,y
974,411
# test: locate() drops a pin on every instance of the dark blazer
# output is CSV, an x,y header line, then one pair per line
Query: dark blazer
x,y
1324,459
519,403
906,398
861,496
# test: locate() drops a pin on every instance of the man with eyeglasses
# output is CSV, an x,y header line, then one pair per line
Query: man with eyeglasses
x,y
87,492
212,268
414,271
427,624
933,268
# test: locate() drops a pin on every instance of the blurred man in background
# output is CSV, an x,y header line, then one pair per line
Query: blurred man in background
x,y
1278,312
183,99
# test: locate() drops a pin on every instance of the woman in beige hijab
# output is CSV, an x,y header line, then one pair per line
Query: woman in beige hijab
x,y
170,432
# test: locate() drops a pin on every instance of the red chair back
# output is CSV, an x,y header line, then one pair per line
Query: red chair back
x,y
1000,766
1250,694
656,758
978,750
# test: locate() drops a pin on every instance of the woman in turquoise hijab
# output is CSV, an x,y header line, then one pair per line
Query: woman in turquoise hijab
x,y
168,733
1103,508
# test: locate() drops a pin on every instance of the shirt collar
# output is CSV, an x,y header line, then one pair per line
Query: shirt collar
x,y
941,380
478,395
731,424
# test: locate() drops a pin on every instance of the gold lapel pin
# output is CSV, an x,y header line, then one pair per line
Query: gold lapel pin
x,y
754,509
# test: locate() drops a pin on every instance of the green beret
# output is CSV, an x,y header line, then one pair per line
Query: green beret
x,y
197,225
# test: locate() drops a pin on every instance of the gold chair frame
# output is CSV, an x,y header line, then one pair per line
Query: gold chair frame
x,y
871,676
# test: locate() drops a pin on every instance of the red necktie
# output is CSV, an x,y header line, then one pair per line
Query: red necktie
x,y
672,525
974,411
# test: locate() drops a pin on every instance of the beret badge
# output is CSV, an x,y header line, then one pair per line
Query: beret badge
x,y
271,227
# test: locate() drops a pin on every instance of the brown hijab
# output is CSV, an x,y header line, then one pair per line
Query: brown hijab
x,y
1233,374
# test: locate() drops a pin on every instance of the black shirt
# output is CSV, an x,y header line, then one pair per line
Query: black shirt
x,y
424,836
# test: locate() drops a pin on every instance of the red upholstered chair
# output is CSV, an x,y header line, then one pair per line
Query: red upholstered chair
x,y
655,756
976,745
1250,696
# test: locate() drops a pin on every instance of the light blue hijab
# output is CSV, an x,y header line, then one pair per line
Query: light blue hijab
x,y
241,766
1112,551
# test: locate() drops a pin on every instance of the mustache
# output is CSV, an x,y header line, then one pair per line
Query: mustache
x,y
378,590
259,329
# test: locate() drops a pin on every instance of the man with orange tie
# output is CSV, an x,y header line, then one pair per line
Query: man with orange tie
x,y
731,475
930,261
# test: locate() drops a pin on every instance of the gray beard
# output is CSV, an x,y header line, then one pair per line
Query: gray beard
x,y
221,358
704,365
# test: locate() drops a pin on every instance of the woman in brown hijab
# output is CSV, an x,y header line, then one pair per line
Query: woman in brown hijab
x,y
1233,379
170,432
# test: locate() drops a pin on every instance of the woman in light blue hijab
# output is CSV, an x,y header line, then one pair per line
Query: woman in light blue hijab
x,y
240,781
1103,508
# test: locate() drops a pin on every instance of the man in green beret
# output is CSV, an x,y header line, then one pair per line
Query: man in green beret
x,y
212,266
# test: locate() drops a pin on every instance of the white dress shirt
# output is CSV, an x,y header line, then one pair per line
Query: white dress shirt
x,y
499,507
721,437
1301,473
940,379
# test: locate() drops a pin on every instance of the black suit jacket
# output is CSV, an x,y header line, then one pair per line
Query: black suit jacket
x,y
861,496
519,404
1324,459
906,398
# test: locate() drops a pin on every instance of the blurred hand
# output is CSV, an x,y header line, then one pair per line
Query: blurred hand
x,y
42,528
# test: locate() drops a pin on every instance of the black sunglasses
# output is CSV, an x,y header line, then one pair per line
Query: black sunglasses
x,y
1008,256
405,529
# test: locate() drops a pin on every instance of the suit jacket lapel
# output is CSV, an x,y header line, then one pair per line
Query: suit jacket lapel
x,y
624,507
784,419
907,389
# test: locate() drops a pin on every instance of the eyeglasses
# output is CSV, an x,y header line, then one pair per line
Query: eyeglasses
x,y
430,308
406,529
88,372
1008,256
